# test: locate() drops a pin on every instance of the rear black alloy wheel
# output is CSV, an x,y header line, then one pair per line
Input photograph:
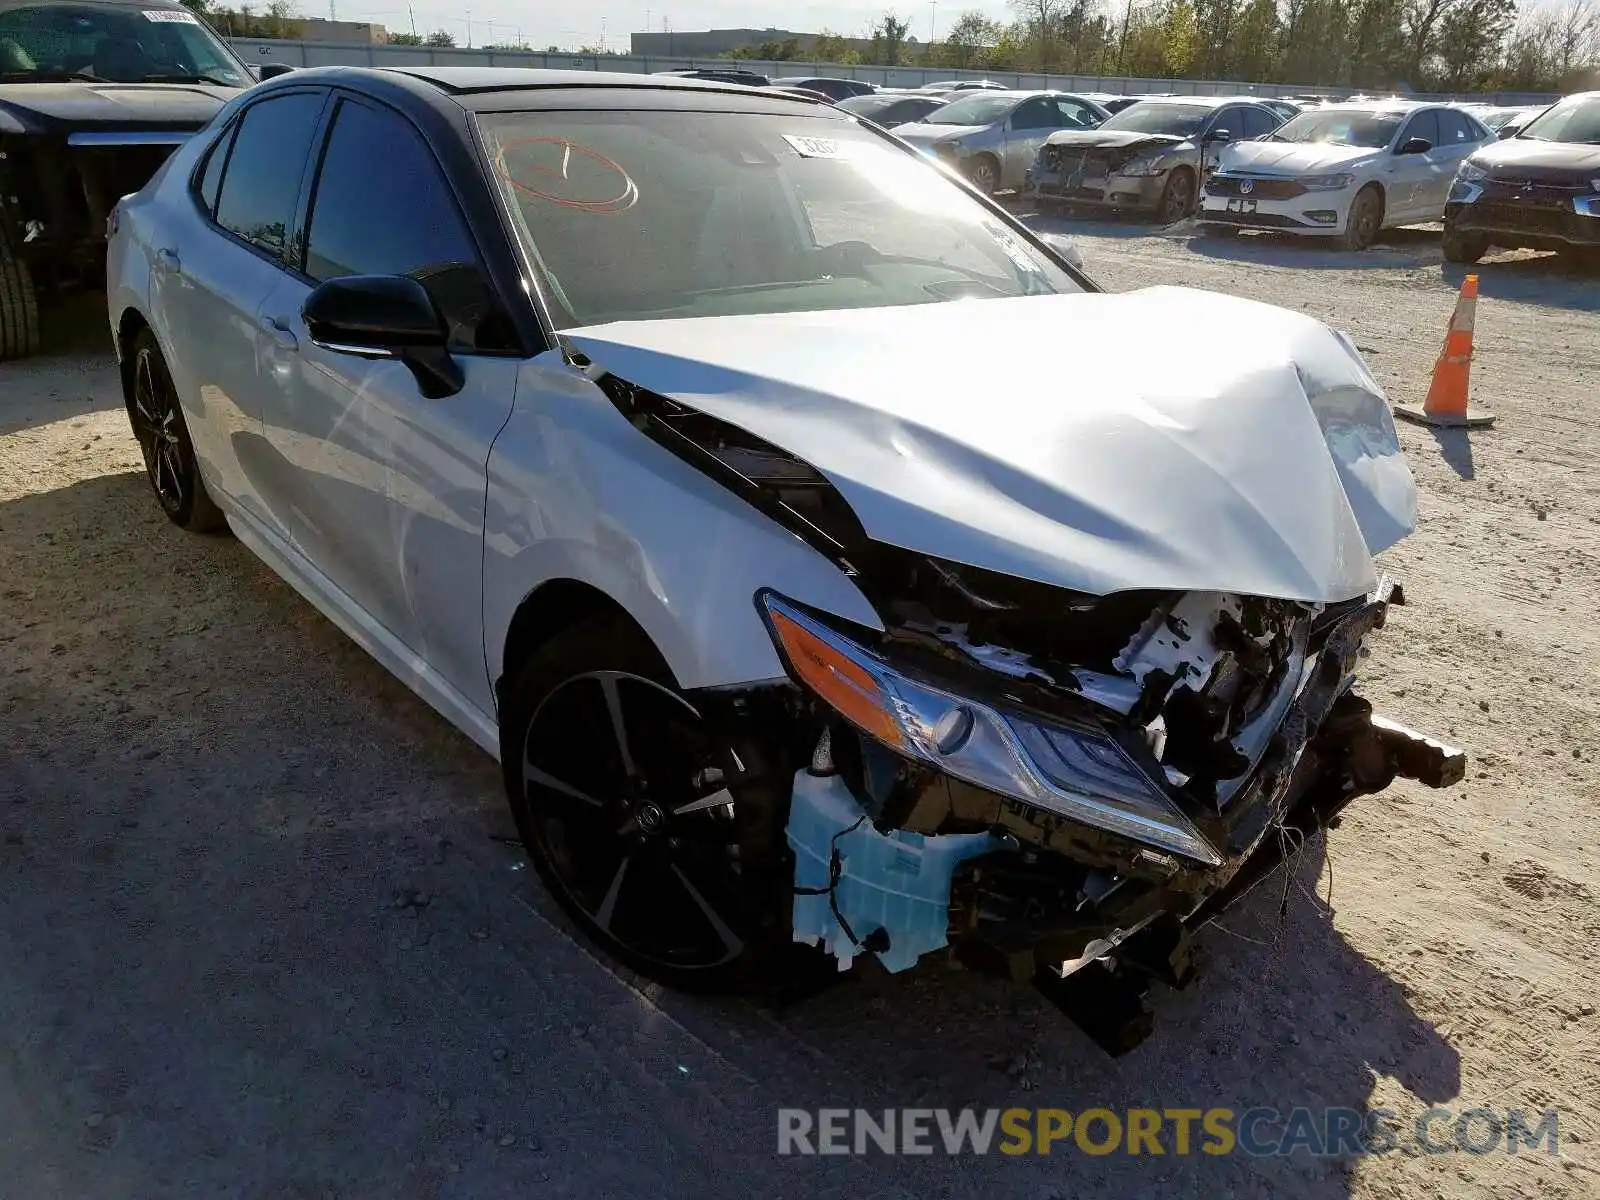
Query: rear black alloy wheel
x,y
619,794
163,438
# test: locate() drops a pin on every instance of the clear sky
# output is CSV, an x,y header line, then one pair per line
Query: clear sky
x,y
568,23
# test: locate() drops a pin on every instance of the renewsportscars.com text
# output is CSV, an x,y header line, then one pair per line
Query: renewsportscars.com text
x,y
1258,1132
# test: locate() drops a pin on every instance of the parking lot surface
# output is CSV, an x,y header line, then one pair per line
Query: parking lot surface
x,y
263,930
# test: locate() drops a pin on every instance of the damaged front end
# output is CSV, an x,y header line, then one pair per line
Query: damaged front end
x,y
1062,787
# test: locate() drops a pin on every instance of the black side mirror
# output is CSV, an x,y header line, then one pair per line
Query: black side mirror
x,y
273,70
1414,146
385,316
1219,135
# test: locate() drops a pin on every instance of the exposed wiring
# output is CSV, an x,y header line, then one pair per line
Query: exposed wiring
x,y
835,873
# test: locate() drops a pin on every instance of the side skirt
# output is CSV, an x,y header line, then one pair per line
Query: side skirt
x,y
372,636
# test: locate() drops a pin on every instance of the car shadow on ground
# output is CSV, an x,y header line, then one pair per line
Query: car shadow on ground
x,y
1408,248
1552,280
72,328
285,884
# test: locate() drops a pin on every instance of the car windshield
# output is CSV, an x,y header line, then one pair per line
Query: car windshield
x,y
52,42
1574,120
1152,116
1341,127
636,215
983,109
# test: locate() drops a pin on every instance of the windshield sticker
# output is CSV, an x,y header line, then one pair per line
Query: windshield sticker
x,y
170,16
815,147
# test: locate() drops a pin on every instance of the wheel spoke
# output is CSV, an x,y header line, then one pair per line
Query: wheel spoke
x,y
543,778
727,936
170,456
717,798
608,906
608,684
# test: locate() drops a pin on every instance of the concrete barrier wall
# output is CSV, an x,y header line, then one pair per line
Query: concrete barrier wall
x,y
322,54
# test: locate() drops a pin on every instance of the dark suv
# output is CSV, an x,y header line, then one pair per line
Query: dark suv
x,y
1539,189
94,94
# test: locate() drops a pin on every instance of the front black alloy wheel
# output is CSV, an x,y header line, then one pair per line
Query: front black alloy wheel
x,y
163,438
1177,198
619,791
1465,248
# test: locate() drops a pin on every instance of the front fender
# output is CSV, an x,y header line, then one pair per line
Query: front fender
x,y
576,492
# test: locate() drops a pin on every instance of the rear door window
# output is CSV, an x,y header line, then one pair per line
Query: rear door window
x,y
1455,129
211,177
1075,114
261,182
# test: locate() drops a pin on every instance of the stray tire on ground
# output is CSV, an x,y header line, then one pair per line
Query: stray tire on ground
x,y
19,309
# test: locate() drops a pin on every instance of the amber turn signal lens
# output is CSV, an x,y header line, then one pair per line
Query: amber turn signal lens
x,y
845,684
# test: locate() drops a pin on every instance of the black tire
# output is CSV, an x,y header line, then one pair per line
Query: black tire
x,y
1363,221
163,437
609,818
1177,197
19,309
1464,247
984,172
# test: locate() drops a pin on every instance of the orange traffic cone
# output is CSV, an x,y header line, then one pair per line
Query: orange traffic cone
x,y
1446,404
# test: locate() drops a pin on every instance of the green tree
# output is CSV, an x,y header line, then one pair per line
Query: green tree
x,y
441,39
888,40
405,39
967,41
1471,39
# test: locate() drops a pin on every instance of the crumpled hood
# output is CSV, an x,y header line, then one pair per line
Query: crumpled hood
x,y
1165,438
1292,158
1110,139
70,106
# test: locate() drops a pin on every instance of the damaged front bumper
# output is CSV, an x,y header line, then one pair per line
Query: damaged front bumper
x,y
1025,888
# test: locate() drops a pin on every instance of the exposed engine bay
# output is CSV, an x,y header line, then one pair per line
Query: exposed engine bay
x,y
1062,787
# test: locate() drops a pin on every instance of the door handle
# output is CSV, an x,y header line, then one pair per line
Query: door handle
x,y
281,334
167,258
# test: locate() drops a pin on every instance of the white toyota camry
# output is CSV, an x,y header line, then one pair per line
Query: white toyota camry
x,y
833,570
1343,172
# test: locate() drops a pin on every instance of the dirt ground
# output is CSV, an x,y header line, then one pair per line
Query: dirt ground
x,y
261,932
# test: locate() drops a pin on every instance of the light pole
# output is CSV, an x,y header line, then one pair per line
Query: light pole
x,y
933,23
469,29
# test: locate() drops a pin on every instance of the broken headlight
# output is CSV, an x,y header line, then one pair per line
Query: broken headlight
x,y
1079,771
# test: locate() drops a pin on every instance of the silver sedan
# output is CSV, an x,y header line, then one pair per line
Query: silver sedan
x,y
992,137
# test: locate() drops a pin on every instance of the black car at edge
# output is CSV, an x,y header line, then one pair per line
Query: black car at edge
x,y
1539,189
94,95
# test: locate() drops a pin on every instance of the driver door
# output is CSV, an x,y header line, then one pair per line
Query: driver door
x,y
1414,173
389,496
